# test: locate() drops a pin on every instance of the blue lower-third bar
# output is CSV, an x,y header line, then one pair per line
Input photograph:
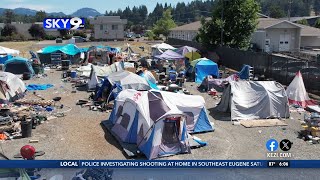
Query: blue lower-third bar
x,y
159,164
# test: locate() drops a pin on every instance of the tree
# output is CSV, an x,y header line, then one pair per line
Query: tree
x,y
37,31
276,12
237,26
303,22
63,32
316,7
317,24
8,30
164,24
40,16
9,16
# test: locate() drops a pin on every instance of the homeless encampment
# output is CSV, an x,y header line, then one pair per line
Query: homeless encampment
x,y
118,81
297,93
7,53
12,88
254,100
18,65
158,122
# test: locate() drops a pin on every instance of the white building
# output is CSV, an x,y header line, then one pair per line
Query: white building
x,y
108,27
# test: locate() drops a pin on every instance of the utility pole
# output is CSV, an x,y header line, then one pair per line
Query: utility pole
x,y
289,9
222,14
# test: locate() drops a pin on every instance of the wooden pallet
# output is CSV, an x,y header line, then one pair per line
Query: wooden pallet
x,y
262,123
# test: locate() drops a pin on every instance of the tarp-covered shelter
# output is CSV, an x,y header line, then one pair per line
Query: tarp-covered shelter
x,y
204,67
12,87
158,49
216,83
170,55
118,81
254,100
157,125
72,51
7,53
18,65
101,71
190,52
297,93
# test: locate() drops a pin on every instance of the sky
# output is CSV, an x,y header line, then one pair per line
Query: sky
x,y
70,6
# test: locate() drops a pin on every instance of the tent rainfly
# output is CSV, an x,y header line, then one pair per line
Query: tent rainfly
x,y
170,55
297,93
254,100
158,126
158,49
12,88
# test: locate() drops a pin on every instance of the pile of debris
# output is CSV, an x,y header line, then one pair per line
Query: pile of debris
x,y
311,128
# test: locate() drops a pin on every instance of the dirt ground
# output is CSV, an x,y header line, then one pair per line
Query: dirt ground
x,y
79,135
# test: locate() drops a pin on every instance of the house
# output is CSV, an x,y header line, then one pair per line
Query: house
x,y
272,35
108,27
277,35
188,32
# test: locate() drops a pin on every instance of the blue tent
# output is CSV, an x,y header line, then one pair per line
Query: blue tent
x,y
18,65
69,49
5,58
205,67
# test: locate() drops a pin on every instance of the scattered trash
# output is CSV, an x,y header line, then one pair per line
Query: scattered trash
x,y
236,123
260,131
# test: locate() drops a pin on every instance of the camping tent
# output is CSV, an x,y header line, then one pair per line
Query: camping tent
x,y
203,68
193,107
7,53
12,88
297,93
254,100
170,55
101,71
120,80
147,119
189,52
18,65
158,49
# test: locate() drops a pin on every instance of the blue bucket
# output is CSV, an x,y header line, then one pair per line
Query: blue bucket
x,y
73,74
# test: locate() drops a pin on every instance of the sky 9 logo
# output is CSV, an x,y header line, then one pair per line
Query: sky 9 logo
x,y
64,23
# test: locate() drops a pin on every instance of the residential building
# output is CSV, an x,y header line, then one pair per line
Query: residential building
x,y
108,27
272,35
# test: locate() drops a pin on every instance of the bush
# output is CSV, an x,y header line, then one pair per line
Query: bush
x,y
91,38
80,33
67,36
49,37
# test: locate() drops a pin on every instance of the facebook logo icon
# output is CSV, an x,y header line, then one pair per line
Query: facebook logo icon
x,y
272,145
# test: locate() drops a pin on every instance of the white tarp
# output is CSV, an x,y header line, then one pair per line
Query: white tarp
x,y
6,51
93,82
11,86
254,100
100,71
158,49
297,93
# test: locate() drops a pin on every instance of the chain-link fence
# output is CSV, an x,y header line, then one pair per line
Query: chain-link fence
x,y
281,68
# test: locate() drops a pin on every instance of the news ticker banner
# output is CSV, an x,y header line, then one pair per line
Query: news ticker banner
x,y
159,164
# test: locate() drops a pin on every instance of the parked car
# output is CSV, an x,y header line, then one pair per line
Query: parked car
x,y
59,40
138,35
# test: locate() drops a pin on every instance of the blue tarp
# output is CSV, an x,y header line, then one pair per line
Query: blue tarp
x,y
204,68
5,58
69,49
34,87
244,73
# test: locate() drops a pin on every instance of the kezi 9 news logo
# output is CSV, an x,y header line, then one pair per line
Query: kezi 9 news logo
x,y
63,23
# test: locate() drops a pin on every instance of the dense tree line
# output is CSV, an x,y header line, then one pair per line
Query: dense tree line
x,y
298,8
